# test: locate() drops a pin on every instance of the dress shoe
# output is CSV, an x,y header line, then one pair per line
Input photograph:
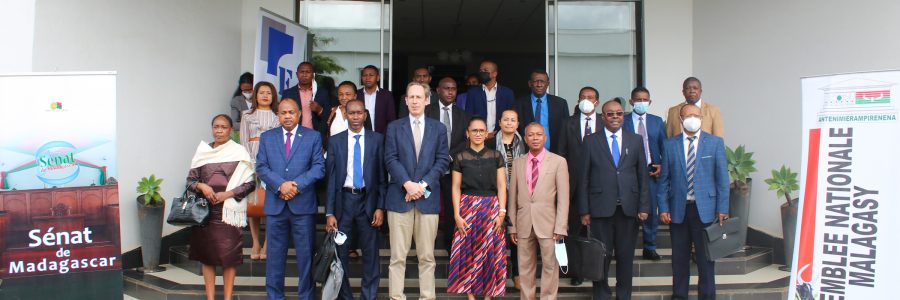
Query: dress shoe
x,y
516,283
651,255
576,281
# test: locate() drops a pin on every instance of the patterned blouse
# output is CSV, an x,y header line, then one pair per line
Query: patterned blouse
x,y
253,125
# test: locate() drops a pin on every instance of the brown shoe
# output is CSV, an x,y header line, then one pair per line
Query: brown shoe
x,y
516,283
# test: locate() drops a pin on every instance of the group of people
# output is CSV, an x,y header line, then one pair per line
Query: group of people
x,y
501,173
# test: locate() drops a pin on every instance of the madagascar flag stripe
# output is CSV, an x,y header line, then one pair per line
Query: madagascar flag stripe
x,y
807,241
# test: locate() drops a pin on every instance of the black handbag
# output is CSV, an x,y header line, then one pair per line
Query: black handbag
x,y
188,210
587,256
324,256
722,239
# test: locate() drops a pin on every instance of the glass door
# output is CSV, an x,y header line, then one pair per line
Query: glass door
x,y
592,43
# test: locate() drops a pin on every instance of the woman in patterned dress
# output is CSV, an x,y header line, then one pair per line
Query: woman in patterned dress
x,y
254,122
478,257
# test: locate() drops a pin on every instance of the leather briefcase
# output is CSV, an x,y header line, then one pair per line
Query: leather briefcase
x,y
587,256
722,240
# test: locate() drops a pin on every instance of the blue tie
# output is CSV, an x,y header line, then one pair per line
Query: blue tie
x,y
537,111
691,164
615,151
357,164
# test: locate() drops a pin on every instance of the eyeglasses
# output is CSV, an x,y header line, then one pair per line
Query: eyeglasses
x,y
611,114
477,131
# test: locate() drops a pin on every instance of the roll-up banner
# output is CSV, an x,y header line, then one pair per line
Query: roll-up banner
x,y
280,48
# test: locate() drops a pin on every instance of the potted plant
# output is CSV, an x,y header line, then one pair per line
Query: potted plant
x,y
784,182
151,207
740,165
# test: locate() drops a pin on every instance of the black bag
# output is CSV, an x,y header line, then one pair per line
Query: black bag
x,y
188,210
587,256
324,256
722,240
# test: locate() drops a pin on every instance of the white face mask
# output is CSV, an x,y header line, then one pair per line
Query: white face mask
x,y
586,106
561,256
247,94
691,124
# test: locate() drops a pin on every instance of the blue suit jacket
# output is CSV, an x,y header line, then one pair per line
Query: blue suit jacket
x,y
656,131
400,160
305,166
476,102
374,175
710,179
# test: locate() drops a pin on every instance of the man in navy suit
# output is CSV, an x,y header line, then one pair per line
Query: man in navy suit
x,y
289,162
542,108
314,100
653,133
355,203
491,99
416,155
379,102
693,193
614,195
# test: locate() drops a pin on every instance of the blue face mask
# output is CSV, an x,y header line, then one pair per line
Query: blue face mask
x,y
641,107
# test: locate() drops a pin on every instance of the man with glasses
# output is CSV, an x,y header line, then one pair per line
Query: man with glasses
x,y
614,195
539,107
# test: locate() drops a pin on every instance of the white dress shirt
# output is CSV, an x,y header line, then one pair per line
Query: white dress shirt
x,y
293,133
491,106
635,119
610,141
351,145
369,101
687,145
592,124
421,125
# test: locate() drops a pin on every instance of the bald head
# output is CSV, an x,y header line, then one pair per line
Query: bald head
x,y
288,113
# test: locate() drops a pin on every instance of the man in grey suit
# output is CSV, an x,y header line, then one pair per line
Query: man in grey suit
x,y
614,194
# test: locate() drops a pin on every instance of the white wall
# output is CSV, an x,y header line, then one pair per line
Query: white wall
x,y
751,55
177,64
668,45
17,30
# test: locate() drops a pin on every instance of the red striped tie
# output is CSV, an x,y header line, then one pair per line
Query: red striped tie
x,y
534,173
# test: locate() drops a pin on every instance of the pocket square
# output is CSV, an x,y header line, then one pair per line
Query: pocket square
x,y
708,156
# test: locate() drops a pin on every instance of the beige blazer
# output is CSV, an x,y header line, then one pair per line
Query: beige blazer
x,y
547,210
710,121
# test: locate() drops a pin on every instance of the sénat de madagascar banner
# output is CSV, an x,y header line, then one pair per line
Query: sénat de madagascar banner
x,y
59,201
847,242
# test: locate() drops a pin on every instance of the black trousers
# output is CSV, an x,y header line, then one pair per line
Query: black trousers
x,y
619,233
356,224
690,231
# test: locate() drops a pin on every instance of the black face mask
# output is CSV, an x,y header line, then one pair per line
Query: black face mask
x,y
484,77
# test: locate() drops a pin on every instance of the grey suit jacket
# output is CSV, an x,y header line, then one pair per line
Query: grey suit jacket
x,y
238,105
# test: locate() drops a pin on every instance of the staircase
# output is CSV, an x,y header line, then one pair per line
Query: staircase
x,y
749,274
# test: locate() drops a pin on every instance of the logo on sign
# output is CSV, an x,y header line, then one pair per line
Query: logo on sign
x,y
858,100
56,163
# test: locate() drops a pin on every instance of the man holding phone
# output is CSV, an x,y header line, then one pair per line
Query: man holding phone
x,y
653,132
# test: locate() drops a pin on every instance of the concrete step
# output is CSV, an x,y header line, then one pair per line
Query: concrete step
x,y
744,262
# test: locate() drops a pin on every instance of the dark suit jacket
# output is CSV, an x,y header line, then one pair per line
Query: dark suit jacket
x,y
322,97
656,132
374,175
557,112
602,184
711,182
400,161
570,146
305,166
476,102
460,121
385,112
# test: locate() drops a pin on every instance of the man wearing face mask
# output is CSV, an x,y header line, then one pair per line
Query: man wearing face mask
x,y
614,195
542,108
651,129
575,129
693,193
420,75
710,115
491,99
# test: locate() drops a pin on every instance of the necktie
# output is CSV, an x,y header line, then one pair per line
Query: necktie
x,y
417,137
534,173
357,163
615,151
643,132
446,120
587,128
691,164
537,111
287,145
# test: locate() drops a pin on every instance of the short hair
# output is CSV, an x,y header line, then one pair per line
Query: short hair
x,y
681,110
638,90
368,67
427,69
291,100
496,67
512,110
254,104
224,116
614,100
596,93
423,86
347,82
535,124
311,66
357,101
538,71
692,78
